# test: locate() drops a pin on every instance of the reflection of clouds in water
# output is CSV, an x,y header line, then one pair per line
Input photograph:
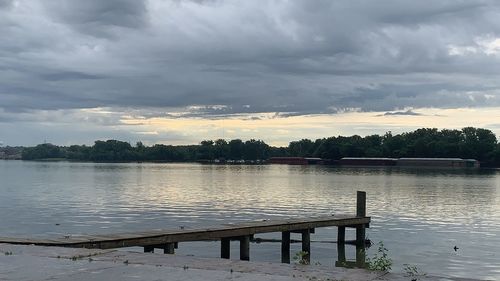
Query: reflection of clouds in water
x,y
420,214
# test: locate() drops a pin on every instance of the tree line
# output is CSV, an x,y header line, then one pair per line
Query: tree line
x,y
469,142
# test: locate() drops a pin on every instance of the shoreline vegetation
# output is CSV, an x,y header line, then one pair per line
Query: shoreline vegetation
x,y
467,143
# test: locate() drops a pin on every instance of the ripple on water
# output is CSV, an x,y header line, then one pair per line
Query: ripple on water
x,y
419,214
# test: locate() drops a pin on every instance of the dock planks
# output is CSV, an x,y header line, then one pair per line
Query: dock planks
x,y
159,237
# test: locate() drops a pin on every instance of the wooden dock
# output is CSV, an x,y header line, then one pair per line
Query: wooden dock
x,y
243,232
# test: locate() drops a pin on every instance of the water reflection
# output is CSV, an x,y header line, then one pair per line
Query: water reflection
x,y
358,262
419,214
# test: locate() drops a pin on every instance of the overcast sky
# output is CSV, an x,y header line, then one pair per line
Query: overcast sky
x,y
161,71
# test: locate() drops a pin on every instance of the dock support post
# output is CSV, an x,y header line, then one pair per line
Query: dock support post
x,y
360,256
361,204
341,235
149,249
306,245
360,213
169,248
341,254
245,248
285,247
225,248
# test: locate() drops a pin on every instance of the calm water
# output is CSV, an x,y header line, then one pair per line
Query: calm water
x,y
420,215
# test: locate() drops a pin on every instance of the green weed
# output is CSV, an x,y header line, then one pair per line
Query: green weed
x,y
381,260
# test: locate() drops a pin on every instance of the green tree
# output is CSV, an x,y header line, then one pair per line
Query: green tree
x,y
236,149
42,151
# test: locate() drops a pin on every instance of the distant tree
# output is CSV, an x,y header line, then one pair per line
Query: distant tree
x,y
255,150
301,148
221,149
206,150
236,149
478,144
469,142
78,152
112,150
42,151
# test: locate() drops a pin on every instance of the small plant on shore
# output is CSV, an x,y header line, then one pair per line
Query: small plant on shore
x,y
381,260
413,272
300,257
8,253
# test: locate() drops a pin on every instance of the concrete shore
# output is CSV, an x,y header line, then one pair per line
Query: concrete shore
x,y
53,263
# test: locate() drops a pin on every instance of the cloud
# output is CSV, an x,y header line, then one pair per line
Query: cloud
x,y
70,75
5,4
98,18
401,113
212,59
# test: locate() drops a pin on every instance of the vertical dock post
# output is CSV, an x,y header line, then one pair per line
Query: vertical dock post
x,y
285,247
341,235
245,248
341,253
360,256
169,248
360,212
225,248
306,245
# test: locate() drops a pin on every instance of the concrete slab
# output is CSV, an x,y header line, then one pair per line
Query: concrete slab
x,y
23,263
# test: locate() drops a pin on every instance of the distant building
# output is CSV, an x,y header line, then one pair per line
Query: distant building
x,y
296,160
366,161
288,160
438,162
410,162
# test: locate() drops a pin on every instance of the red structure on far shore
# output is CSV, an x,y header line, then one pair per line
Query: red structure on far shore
x,y
295,160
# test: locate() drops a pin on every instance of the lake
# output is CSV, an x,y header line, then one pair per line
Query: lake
x,y
419,214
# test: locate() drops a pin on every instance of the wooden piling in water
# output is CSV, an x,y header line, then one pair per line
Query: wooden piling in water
x,y
169,248
149,249
285,247
341,235
225,248
245,248
361,213
306,245
360,256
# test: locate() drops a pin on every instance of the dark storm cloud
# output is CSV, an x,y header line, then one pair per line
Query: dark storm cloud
x,y
5,4
96,17
227,57
70,75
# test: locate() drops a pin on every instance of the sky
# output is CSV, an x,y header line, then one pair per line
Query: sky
x,y
179,71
